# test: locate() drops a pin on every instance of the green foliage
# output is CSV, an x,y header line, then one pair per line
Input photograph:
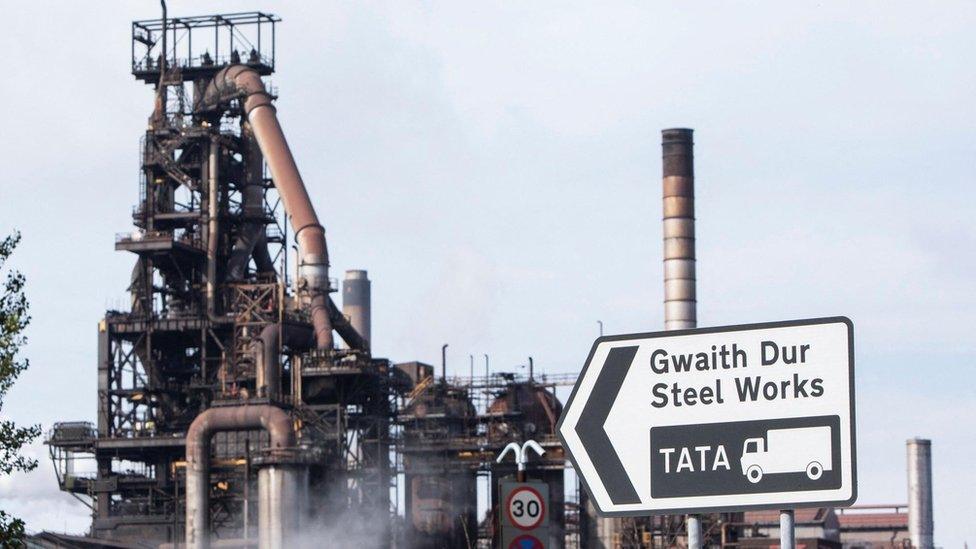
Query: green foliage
x,y
14,318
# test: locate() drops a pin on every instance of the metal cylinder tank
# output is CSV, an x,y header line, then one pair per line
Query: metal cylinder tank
x,y
283,494
524,411
920,524
356,300
441,490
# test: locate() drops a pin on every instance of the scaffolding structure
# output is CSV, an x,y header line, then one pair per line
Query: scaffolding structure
x,y
211,277
210,244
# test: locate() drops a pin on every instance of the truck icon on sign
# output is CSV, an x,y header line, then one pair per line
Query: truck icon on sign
x,y
802,450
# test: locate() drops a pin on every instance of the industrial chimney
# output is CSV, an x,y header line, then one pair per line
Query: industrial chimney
x,y
920,525
679,229
356,301
680,301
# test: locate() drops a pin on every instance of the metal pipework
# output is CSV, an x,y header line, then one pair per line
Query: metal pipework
x,y
679,229
236,418
213,196
280,504
252,240
356,302
521,454
241,81
920,524
444,362
267,371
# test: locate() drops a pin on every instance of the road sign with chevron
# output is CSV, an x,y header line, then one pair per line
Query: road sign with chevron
x,y
716,419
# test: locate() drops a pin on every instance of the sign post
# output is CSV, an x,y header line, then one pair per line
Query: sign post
x,y
756,416
787,530
524,505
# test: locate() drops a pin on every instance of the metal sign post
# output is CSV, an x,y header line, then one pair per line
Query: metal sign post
x,y
757,416
787,530
524,506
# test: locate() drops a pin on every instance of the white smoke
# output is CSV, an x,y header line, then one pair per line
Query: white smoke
x,y
346,529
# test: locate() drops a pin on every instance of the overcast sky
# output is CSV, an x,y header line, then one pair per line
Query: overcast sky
x,y
496,168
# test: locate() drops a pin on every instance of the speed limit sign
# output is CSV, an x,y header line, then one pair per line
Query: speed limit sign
x,y
525,507
524,510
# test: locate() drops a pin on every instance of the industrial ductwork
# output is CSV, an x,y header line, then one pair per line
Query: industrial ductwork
x,y
268,376
277,484
252,240
242,82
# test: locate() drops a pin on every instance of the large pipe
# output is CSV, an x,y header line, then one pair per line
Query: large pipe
x,y
280,503
235,418
345,329
356,304
267,371
252,240
679,229
679,250
241,81
213,198
920,524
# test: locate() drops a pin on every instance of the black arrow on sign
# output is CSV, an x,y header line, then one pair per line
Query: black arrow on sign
x,y
594,436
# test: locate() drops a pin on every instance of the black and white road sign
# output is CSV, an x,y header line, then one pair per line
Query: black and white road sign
x,y
717,419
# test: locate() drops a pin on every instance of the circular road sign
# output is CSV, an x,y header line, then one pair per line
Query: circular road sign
x,y
526,509
526,541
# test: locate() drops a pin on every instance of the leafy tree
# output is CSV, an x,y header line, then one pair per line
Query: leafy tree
x,y
14,318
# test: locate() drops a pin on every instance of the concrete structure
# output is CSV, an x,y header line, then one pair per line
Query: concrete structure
x,y
920,523
357,302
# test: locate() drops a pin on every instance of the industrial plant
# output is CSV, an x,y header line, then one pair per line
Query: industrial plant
x,y
240,403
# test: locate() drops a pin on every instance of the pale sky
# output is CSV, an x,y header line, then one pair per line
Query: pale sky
x,y
496,168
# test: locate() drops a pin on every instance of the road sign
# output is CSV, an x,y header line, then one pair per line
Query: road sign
x,y
525,507
526,541
758,416
524,513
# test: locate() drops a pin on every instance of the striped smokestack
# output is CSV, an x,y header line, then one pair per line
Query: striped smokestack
x,y
679,229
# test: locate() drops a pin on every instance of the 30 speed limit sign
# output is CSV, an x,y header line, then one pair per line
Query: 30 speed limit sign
x,y
526,508
524,514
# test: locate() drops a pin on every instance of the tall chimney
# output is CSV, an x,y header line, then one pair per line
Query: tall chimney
x,y
356,302
920,525
680,302
679,229
679,285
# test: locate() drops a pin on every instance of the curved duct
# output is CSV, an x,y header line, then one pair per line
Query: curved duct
x,y
240,81
235,418
268,382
